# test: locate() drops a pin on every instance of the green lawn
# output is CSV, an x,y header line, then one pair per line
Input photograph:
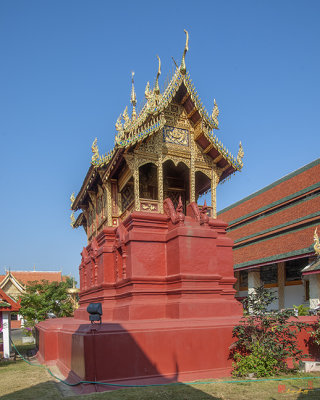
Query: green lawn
x,y
20,381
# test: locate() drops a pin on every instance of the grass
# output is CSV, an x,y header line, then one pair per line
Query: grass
x,y
20,381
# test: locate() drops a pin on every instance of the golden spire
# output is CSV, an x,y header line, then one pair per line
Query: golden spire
x,y
240,155
215,112
133,98
156,86
183,68
316,245
95,151
72,198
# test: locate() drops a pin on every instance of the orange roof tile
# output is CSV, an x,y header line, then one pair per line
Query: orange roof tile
x,y
29,276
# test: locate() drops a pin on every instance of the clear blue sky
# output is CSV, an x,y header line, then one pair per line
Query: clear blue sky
x,y
65,78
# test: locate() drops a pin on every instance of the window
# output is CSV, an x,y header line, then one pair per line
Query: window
x,y
14,316
269,274
243,280
293,270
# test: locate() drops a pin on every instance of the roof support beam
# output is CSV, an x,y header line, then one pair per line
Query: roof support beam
x,y
185,98
208,148
194,110
217,159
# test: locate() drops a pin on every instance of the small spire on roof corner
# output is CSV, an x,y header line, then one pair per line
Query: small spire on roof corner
x,y
183,68
316,245
240,155
215,112
133,99
156,86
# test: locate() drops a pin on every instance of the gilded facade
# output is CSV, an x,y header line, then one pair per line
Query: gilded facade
x,y
168,149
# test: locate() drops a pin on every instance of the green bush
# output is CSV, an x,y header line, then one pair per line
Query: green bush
x,y
302,310
270,337
259,362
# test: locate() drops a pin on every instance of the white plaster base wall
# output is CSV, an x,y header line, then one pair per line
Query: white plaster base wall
x,y
293,295
275,304
6,318
314,289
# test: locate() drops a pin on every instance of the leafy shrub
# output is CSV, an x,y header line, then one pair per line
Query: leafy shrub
x,y
266,336
302,310
259,362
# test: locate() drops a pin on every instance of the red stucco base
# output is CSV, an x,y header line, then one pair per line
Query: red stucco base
x,y
139,351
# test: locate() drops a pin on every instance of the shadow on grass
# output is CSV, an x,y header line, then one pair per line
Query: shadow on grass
x,y
49,391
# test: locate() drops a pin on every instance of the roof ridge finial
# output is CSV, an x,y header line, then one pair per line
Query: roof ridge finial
x,y
133,99
156,86
183,68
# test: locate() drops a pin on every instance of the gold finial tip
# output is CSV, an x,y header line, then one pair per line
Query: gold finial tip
x,y
183,68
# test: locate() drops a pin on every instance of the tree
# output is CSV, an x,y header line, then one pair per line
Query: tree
x,y
42,298
265,339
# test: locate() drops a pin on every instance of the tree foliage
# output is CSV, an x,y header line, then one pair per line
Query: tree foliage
x,y
265,339
42,298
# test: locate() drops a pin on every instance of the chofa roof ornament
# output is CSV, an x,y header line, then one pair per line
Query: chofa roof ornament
x,y
183,68
156,86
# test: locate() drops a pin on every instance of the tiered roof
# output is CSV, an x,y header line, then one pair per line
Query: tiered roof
x,y
131,131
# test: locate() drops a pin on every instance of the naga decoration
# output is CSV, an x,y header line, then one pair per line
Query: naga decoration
x,y
119,126
204,219
72,198
183,68
95,151
240,155
73,220
126,117
215,112
316,245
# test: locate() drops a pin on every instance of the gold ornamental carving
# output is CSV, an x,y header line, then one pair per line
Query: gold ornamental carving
x,y
176,135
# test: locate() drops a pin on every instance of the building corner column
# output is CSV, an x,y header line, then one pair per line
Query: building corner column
x,y
253,281
314,290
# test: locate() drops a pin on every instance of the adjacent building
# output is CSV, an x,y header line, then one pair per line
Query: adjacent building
x,y
14,283
273,232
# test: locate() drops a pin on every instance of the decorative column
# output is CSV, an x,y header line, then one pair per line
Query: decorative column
x,y
6,328
136,186
281,284
160,184
253,280
214,184
192,174
107,187
314,290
